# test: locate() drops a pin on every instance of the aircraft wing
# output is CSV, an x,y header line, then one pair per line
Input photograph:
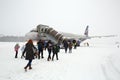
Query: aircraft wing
x,y
102,36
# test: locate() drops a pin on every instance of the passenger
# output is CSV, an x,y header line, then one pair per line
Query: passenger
x,y
65,44
29,53
56,49
78,43
87,44
35,50
49,48
70,47
22,49
40,48
74,44
16,48
45,45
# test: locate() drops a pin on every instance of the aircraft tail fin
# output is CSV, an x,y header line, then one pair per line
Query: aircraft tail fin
x,y
86,31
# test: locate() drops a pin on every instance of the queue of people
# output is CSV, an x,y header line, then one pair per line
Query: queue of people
x,y
30,51
69,44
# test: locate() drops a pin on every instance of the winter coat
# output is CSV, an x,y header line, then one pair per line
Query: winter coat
x,y
29,51
56,49
22,48
65,44
49,45
70,45
16,47
40,45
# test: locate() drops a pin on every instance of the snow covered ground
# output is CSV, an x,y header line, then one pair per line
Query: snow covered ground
x,y
99,61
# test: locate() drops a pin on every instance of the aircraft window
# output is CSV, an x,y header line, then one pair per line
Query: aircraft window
x,y
46,30
49,30
42,29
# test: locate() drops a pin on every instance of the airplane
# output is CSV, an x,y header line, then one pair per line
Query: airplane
x,y
45,32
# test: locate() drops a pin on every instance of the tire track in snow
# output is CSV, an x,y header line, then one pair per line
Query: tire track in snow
x,y
109,69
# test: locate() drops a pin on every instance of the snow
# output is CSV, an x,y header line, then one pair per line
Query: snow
x,y
99,61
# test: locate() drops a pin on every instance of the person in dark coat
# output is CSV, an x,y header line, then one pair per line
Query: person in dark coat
x,y
65,44
75,44
29,53
56,49
49,48
40,48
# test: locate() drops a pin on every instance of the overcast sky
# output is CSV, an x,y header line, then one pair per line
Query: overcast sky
x,y
17,17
